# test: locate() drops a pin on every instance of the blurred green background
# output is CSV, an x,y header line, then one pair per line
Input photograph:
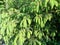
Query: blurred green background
x,y
30,22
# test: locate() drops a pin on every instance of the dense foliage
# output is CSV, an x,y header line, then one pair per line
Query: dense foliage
x,y
30,22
